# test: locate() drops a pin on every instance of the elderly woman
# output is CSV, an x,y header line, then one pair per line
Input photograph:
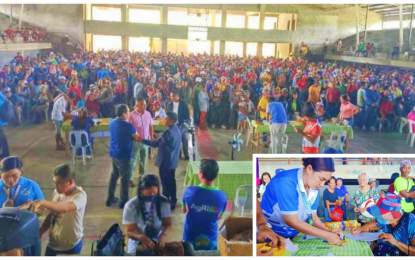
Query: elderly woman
x,y
347,110
398,227
290,201
41,103
343,194
83,122
330,198
16,190
321,113
363,194
147,217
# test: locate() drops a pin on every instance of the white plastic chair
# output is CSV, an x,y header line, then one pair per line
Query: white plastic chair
x,y
241,200
411,134
337,140
273,146
76,143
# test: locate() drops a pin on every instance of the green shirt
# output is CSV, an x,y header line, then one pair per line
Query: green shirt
x,y
361,97
342,89
402,184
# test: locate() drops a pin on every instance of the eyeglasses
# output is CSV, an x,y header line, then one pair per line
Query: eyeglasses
x,y
58,182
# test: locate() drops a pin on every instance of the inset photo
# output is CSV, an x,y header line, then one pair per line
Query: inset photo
x,y
335,206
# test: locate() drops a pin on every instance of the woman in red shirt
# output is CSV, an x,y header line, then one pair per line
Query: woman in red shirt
x,y
74,87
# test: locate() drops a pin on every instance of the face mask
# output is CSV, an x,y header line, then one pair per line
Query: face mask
x,y
150,198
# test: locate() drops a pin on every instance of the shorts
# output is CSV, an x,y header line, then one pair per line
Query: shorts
x,y
58,126
241,117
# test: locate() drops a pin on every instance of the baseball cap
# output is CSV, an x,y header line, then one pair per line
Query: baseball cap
x,y
198,79
387,208
7,90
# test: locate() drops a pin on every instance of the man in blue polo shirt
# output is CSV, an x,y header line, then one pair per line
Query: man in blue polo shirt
x,y
372,99
277,117
122,136
204,205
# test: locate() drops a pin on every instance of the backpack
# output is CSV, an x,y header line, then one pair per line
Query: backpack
x,y
6,110
112,244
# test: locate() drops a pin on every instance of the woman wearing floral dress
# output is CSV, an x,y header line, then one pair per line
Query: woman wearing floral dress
x,y
362,195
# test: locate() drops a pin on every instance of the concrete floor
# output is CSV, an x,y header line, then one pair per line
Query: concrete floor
x,y
35,145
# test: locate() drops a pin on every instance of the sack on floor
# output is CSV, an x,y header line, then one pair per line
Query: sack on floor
x,y
169,249
112,244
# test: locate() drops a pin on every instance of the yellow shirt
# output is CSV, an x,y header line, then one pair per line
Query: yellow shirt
x,y
263,103
398,93
222,87
314,94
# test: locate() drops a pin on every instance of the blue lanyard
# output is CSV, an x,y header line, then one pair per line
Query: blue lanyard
x,y
308,207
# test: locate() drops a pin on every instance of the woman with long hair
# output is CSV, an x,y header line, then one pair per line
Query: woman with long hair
x,y
291,200
147,217
265,179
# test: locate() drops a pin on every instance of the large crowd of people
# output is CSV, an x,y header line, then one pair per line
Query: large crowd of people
x,y
10,35
290,201
222,91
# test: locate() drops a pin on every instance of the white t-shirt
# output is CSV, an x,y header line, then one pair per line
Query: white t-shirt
x,y
131,215
67,229
262,188
176,108
58,107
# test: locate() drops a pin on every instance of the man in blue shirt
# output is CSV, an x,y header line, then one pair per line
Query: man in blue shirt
x,y
277,117
205,205
168,156
371,103
122,136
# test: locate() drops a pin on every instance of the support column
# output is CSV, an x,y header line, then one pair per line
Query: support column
x,y
223,25
357,25
245,43
164,45
410,28
164,20
400,28
261,27
151,44
21,16
124,39
212,47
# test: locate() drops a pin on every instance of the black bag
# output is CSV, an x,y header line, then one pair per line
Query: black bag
x,y
112,244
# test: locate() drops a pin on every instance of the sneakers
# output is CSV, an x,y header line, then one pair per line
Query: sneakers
x,y
223,127
113,201
121,205
372,128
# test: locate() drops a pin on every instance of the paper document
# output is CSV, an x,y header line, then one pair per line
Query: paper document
x,y
365,236
289,246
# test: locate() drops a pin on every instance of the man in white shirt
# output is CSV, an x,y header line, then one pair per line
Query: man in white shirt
x,y
325,45
67,209
58,116
141,119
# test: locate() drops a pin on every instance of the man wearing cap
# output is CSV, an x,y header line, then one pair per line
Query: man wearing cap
x,y
62,85
403,186
398,237
277,117
67,209
168,156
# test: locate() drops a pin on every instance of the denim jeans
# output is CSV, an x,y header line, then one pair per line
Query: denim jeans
x,y
168,182
74,251
360,117
120,169
370,114
140,153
